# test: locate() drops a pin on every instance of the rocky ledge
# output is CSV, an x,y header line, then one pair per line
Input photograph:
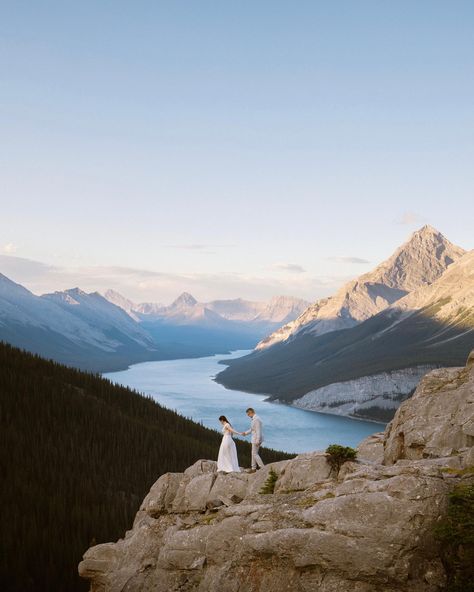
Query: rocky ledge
x,y
368,529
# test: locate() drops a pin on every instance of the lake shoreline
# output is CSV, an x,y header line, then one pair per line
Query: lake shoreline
x,y
187,386
278,402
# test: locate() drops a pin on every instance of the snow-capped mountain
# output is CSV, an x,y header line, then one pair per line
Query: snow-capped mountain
x,y
21,308
100,313
185,300
186,309
72,327
280,309
347,371
149,308
418,262
237,309
124,303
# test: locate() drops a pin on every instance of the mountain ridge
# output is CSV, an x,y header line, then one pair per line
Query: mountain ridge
x,y
109,332
276,310
433,325
418,261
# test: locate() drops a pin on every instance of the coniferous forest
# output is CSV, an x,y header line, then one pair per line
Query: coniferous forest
x,y
77,456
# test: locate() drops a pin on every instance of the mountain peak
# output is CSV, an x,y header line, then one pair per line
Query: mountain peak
x,y
185,299
113,294
73,292
427,229
427,233
420,261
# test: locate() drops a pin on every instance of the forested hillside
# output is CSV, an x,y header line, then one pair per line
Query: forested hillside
x,y
77,455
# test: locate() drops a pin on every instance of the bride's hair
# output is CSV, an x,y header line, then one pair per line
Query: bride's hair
x,y
224,418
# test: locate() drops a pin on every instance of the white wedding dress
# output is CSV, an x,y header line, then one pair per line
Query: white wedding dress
x,y
227,460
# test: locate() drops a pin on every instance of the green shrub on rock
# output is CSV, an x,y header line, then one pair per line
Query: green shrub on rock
x,y
338,455
269,485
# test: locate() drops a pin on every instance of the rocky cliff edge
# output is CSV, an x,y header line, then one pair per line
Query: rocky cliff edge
x,y
368,529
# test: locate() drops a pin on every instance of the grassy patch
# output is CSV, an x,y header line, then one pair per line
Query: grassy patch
x,y
458,472
208,519
307,502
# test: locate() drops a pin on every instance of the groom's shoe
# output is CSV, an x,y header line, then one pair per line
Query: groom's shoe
x,y
251,470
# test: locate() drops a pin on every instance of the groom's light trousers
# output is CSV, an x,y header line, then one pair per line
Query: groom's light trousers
x,y
256,460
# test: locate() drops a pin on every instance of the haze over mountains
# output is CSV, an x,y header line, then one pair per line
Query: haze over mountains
x,y
98,333
187,328
358,352
186,308
374,348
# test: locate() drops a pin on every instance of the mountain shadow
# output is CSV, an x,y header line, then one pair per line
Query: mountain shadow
x,y
390,340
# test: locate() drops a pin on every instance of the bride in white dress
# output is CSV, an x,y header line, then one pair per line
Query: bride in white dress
x,y
227,460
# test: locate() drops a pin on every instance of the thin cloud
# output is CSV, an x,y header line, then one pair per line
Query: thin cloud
x,y
145,285
409,218
354,260
196,246
9,248
291,267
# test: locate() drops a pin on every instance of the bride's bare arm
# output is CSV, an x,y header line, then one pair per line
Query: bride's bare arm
x,y
231,429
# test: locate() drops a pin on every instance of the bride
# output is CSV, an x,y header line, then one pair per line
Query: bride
x,y
227,460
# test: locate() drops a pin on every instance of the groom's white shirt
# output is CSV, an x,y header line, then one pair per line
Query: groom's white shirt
x,y
257,429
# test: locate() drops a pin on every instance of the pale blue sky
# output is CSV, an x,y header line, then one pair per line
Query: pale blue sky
x,y
221,146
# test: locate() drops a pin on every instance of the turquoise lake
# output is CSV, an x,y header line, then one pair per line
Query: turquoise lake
x,y
187,386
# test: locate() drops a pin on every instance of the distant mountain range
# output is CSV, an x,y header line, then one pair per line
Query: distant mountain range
x,y
358,352
362,351
186,309
188,328
78,329
99,333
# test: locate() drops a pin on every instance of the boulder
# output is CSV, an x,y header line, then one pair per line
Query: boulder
x,y
229,487
470,359
200,467
371,448
162,494
193,494
303,471
437,421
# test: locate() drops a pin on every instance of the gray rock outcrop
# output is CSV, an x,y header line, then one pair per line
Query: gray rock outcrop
x,y
370,529
438,421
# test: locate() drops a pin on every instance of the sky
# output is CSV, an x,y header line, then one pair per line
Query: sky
x,y
230,149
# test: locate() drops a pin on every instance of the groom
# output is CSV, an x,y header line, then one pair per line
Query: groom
x,y
257,438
